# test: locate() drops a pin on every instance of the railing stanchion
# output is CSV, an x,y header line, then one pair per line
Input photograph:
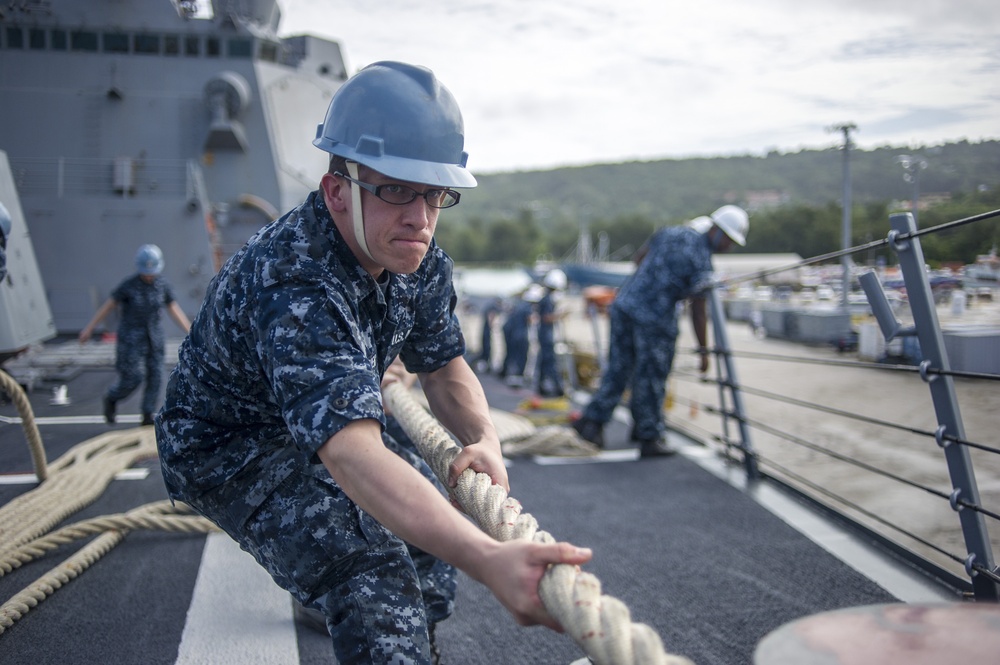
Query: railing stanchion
x,y
942,387
724,358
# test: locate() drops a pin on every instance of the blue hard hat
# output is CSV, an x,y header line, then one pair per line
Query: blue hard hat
x,y
399,120
149,260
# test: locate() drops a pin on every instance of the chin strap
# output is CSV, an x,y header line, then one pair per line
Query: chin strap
x,y
357,215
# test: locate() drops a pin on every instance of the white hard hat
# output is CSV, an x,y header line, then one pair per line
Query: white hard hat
x,y
701,224
534,293
555,279
734,221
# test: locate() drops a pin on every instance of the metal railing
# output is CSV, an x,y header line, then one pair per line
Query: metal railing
x,y
801,460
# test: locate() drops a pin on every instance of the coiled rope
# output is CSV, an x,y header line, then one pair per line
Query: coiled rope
x,y
601,625
69,484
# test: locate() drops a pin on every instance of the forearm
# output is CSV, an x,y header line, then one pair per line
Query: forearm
x,y
102,312
699,321
177,314
402,500
457,400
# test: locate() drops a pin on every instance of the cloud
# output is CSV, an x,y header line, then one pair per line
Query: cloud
x,y
918,120
585,81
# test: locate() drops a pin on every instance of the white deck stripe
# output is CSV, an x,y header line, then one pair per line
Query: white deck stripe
x,y
32,479
238,615
122,419
902,581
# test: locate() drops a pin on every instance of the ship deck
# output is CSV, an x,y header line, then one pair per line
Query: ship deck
x,y
712,565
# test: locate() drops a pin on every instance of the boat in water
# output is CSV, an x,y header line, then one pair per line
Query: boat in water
x,y
127,122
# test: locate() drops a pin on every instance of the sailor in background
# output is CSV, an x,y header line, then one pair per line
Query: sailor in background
x,y
674,265
517,335
547,379
491,312
140,341
274,426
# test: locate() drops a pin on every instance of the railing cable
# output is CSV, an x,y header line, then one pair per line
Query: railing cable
x,y
850,416
829,256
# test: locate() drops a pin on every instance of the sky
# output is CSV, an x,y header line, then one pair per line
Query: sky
x,y
550,83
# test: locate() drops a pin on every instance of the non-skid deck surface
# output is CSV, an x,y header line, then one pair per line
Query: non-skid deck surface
x,y
703,564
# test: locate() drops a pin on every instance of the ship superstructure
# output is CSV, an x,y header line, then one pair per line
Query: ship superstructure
x,y
149,121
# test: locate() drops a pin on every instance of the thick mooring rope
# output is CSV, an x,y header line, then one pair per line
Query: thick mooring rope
x,y
600,624
13,388
71,483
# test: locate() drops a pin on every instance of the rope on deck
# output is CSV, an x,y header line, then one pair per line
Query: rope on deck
x,y
520,435
20,399
601,625
69,484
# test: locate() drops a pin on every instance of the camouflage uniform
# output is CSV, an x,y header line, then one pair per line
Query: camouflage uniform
x,y
289,347
3,258
515,335
549,383
140,346
5,225
490,312
644,328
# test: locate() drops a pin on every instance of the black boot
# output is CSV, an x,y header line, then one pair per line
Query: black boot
x,y
591,430
147,419
109,410
655,448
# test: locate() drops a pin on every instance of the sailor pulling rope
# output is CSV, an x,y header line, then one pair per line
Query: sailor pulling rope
x,y
600,624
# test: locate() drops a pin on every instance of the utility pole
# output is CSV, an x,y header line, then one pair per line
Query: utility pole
x,y
912,166
845,228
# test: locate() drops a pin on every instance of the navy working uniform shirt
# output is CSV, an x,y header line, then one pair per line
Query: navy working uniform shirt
x,y
289,347
139,308
677,265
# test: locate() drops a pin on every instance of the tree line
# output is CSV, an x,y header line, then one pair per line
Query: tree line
x,y
519,217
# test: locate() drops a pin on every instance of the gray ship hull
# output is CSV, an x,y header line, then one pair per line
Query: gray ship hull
x,y
135,122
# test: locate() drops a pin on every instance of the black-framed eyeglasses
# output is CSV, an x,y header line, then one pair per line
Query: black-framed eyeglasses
x,y
400,195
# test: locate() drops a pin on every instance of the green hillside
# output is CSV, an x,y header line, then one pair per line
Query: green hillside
x,y
794,199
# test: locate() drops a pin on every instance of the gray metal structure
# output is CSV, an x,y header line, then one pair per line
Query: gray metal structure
x,y
148,121
25,317
942,387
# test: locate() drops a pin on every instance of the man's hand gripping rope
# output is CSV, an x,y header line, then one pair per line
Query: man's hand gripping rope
x,y
600,624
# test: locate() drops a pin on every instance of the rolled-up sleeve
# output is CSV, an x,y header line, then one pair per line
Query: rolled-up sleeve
x,y
320,366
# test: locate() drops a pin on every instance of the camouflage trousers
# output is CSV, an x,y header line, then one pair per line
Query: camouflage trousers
x,y
518,347
137,357
379,595
639,357
547,379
